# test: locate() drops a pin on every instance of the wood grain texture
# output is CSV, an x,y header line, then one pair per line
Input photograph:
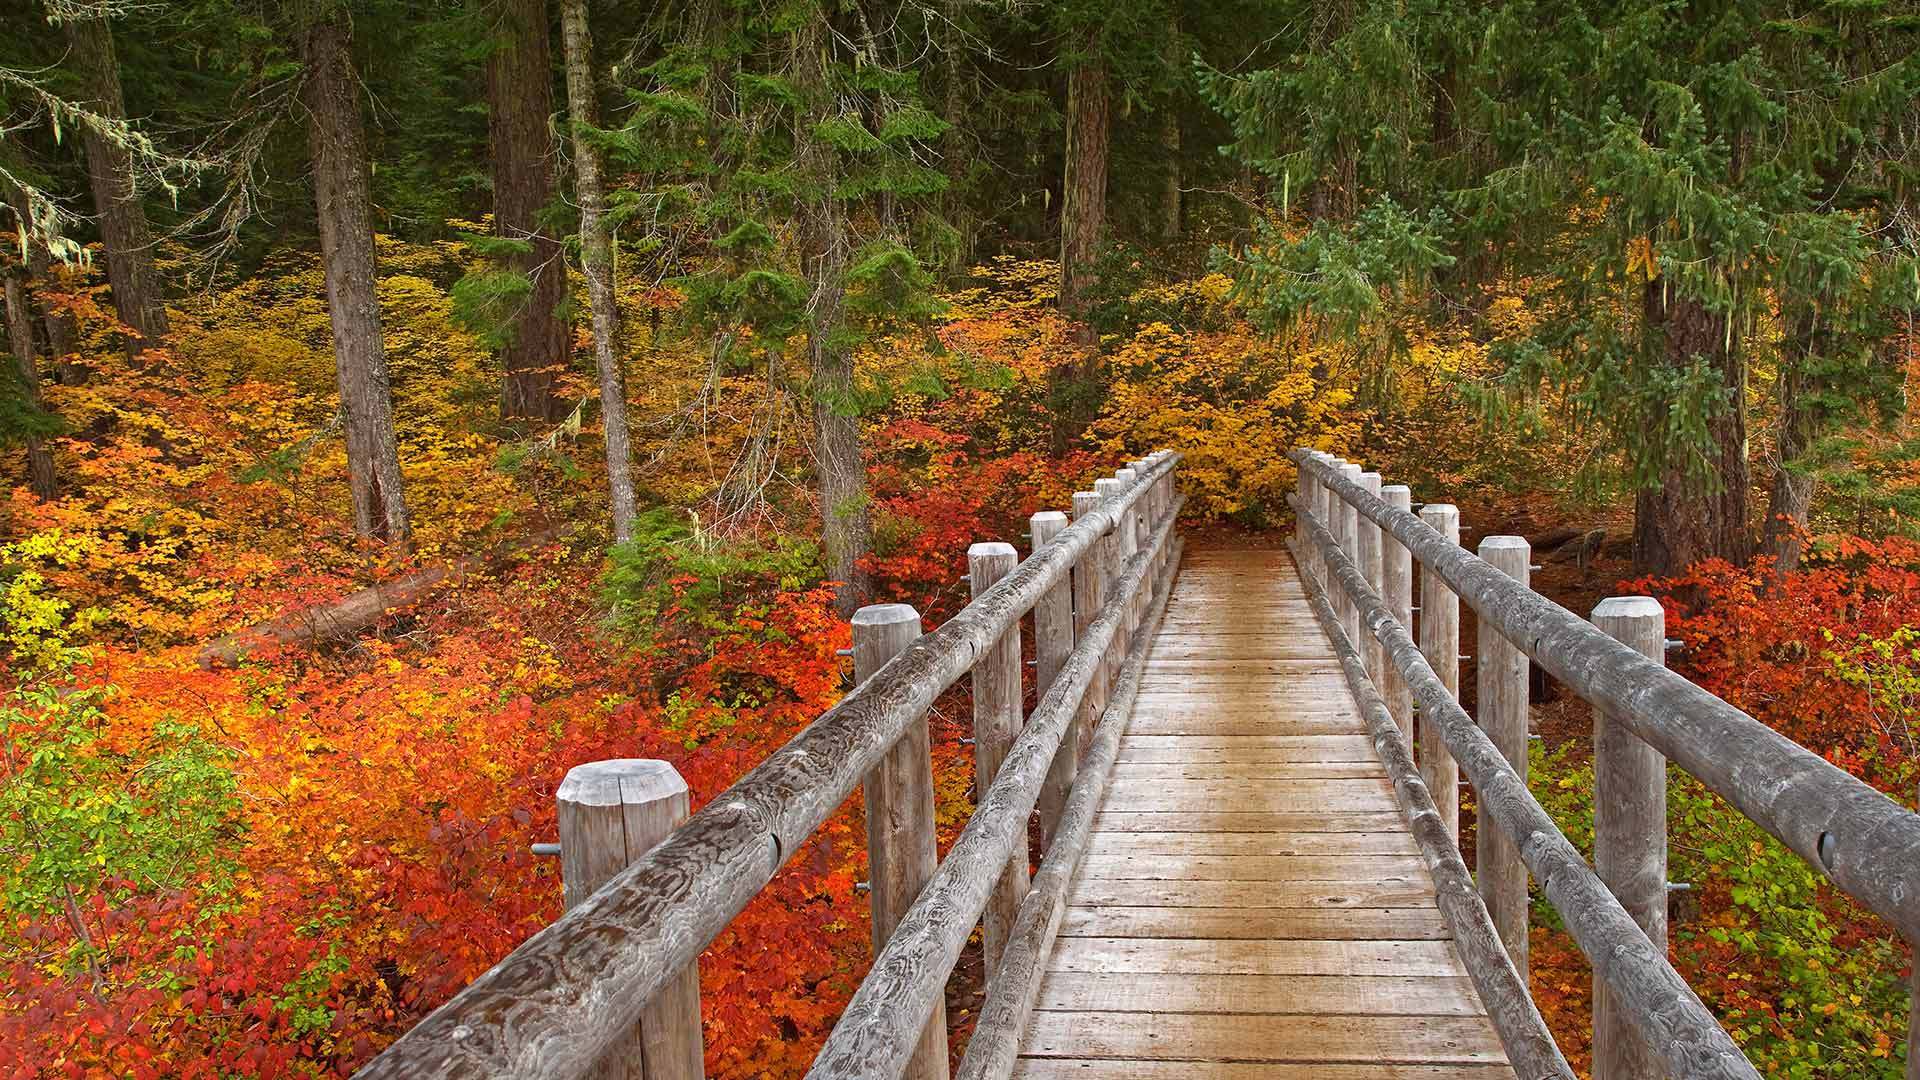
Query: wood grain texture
x,y
1052,641
611,813
1136,1069
1501,689
1629,832
902,848
1396,588
874,1034
1689,1041
550,1007
995,1043
1440,643
1286,1038
1231,875
1866,842
1331,923
1502,988
997,696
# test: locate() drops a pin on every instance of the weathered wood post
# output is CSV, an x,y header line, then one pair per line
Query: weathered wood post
x,y
1349,534
1501,686
1087,590
1110,548
1370,652
901,851
1629,833
1396,589
1053,639
996,723
611,813
1440,644
1130,532
1307,501
1323,503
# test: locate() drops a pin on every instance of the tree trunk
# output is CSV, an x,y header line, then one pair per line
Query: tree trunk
x,y
1171,211
60,330
20,343
1790,499
1696,513
596,260
1083,207
519,101
338,142
116,199
821,231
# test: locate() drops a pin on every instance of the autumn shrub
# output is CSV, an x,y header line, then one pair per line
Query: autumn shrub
x,y
1233,403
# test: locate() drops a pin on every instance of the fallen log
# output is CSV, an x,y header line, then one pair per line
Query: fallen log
x,y
357,611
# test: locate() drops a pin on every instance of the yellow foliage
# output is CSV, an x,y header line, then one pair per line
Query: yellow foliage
x,y
1233,404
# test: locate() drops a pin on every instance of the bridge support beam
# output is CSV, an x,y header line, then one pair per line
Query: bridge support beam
x,y
1501,690
611,813
1629,833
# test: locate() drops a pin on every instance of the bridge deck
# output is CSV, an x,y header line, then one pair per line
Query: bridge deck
x,y
1251,904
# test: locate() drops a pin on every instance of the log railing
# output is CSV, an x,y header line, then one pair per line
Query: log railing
x,y
1355,543
611,988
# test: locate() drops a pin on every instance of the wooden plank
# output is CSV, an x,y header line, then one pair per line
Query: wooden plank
x,y
1248,755
1212,723
1201,1037
1141,892
1228,923
1319,819
1312,745
1036,1068
1268,995
1208,956
1262,843
1251,867
1366,793
1247,772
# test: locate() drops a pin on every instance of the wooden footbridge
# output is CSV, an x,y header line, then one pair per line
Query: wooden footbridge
x,y
1247,774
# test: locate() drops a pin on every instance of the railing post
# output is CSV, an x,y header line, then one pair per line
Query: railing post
x,y
1110,547
1130,533
901,843
1629,833
1346,532
1053,638
610,814
1369,545
1501,688
996,723
1308,500
1396,589
1087,590
1440,644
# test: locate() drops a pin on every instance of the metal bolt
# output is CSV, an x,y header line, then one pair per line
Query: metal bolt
x,y
545,849
1675,643
966,742
1536,566
863,886
1679,886
843,652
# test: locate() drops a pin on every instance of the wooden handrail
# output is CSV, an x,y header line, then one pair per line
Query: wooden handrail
x,y
876,1032
1666,1012
1867,843
1501,985
552,1007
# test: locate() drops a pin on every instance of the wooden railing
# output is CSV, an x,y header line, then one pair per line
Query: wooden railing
x,y
611,988
1356,543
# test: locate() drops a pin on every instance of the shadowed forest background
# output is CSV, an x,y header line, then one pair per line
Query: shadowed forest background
x,y
627,348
